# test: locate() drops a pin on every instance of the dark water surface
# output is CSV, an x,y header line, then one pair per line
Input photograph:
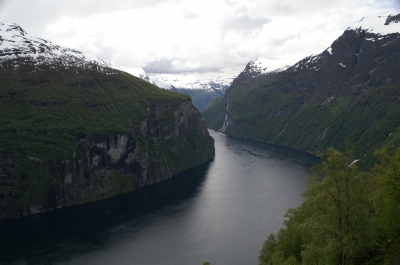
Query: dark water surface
x,y
220,212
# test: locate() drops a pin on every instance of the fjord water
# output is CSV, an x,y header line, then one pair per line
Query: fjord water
x,y
219,212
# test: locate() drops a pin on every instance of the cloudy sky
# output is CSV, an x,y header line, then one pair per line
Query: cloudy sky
x,y
175,36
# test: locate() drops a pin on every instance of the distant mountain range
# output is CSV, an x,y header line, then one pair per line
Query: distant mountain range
x,y
348,92
202,88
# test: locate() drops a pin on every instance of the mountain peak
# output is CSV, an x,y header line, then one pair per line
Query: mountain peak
x,y
10,28
16,45
378,24
263,66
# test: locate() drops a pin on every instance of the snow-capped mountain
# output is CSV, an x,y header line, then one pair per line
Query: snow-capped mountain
x,y
202,88
16,44
348,92
263,66
378,26
136,71
192,81
383,29
17,47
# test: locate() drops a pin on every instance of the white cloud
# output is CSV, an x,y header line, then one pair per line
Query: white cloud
x,y
191,35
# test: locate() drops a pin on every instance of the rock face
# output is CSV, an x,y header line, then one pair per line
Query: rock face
x,y
106,165
102,166
74,130
349,92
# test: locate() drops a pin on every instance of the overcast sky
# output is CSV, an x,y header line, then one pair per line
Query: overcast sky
x,y
173,36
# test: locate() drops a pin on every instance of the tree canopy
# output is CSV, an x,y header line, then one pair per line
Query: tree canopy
x,y
348,216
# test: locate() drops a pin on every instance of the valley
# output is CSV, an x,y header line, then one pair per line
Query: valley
x,y
103,164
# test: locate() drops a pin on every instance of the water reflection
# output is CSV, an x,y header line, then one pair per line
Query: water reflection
x,y
86,227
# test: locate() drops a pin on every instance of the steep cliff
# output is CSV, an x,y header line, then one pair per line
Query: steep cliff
x,y
73,135
349,92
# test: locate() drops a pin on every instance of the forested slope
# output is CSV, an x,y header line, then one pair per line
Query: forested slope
x,y
76,135
349,92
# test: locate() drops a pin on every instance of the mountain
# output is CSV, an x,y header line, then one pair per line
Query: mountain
x,y
74,130
193,82
348,92
262,66
138,72
15,44
202,88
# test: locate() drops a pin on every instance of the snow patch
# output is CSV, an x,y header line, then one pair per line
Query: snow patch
x,y
136,71
329,50
263,66
310,62
193,81
17,44
379,24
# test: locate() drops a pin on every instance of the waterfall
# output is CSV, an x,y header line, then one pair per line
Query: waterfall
x,y
225,125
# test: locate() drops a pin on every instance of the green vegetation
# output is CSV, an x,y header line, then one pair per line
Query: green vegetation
x,y
76,101
215,113
199,97
318,103
266,111
49,120
351,213
347,217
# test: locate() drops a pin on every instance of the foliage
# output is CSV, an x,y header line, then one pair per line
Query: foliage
x,y
49,117
77,101
347,217
215,112
263,111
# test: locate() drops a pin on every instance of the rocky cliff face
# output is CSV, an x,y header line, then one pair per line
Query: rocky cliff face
x,y
102,166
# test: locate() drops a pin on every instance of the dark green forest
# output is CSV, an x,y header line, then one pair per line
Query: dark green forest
x,y
50,115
